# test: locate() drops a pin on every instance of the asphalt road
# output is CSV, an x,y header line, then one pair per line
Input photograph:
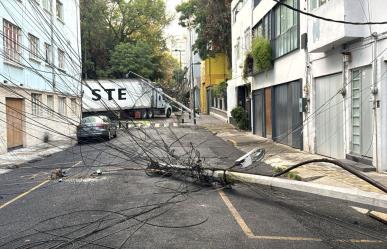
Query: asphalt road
x,y
125,208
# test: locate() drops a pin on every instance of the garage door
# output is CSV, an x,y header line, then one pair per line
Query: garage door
x,y
258,112
287,118
329,118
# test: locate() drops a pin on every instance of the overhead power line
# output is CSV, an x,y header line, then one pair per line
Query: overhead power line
x,y
327,19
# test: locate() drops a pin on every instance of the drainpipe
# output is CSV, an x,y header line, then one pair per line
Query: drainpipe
x,y
52,45
374,92
346,60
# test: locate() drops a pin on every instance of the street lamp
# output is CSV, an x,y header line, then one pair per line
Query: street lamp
x,y
180,51
178,73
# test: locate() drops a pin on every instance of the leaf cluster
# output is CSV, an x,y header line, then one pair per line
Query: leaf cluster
x,y
262,54
240,117
119,35
211,20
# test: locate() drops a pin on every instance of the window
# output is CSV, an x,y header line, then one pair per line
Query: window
x,y
36,101
48,53
34,47
59,10
264,27
61,59
11,41
237,49
256,2
62,105
74,106
247,39
236,10
286,29
50,105
313,4
47,5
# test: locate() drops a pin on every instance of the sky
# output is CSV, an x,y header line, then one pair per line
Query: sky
x,y
173,28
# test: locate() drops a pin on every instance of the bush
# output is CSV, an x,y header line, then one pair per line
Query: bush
x,y
240,117
248,67
220,89
262,54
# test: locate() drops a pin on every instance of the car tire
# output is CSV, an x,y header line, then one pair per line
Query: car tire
x,y
144,114
150,114
169,112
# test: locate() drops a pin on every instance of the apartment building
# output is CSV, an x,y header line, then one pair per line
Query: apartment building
x,y
40,72
325,90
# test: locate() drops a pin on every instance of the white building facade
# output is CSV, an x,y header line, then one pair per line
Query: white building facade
x,y
326,90
40,72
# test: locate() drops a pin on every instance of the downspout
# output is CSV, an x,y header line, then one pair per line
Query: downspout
x,y
374,92
52,45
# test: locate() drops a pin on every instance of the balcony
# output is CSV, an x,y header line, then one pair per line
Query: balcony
x,y
324,35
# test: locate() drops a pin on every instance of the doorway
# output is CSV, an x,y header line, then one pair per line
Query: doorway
x,y
14,118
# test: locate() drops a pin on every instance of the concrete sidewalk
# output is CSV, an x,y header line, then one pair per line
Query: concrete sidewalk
x,y
278,155
14,158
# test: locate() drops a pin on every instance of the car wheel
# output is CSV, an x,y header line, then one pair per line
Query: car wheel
x,y
169,113
144,115
150,114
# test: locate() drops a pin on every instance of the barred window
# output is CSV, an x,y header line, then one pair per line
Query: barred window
x,y
74,106
33,47
62,105
59,9
47,5
11,41
61,59
50,105
48,52
36,102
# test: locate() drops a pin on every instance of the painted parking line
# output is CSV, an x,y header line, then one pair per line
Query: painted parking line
x,y
247,231
31,190
23,194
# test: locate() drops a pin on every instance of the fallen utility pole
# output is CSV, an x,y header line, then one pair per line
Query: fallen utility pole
x,y
151,84
369,200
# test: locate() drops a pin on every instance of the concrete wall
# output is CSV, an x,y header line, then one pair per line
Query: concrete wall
x,y
36,75
214,71
47,123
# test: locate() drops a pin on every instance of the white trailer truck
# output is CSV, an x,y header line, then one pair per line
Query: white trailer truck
x,y
129,97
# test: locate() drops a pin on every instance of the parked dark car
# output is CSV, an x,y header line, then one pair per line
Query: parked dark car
x,y
100,127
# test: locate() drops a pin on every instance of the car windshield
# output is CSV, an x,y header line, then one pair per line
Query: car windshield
x,y
90,120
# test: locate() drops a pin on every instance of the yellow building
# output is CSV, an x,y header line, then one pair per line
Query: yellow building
x,y
214,70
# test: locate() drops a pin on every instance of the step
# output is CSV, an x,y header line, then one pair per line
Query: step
x,y
361,164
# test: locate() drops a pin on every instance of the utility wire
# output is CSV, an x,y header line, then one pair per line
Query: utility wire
x,y
325,18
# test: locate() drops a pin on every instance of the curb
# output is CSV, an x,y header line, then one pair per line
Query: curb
x,y
382,217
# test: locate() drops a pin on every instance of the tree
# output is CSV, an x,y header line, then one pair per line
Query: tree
x,y
137,58
106,24
212,22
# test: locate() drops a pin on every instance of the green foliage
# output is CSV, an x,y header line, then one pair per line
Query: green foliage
x,y
240,117
212,23
220,89
248,67
107,24
262,54
290,175
136,57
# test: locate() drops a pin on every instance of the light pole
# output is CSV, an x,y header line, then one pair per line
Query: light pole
x,y
178,73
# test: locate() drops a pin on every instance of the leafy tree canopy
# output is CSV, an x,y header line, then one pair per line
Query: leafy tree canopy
x,y
113,26
212,22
